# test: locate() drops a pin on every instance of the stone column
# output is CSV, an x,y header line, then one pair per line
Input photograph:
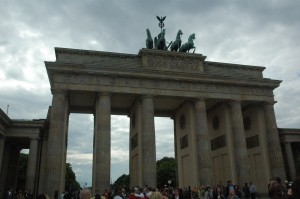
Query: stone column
x,y
203,144
275,154
148,142
56,164
2,143
13,165
239,143
290,159
32,163
101,175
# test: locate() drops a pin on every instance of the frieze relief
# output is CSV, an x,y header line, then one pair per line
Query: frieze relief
x,y
172,64
160,84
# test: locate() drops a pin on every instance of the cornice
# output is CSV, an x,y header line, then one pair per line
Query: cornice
x,y
71,68
239,66
36,123
81,52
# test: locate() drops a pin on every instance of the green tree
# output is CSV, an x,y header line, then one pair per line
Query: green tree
x,y
70,178
71,183
123,180
166,170
22,168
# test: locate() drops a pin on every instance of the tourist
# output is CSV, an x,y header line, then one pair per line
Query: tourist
x,y
294,191
85,194
30,194
164,193
139,193
97,194
237,191
118,194
246,191
218,193
229,189
177,194
186,194
131,195
9,193
156,195
207,192
106,194
277,190
62,195
252,189
195,192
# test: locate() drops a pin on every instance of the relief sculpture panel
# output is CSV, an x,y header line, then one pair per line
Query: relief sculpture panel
x,y
173,64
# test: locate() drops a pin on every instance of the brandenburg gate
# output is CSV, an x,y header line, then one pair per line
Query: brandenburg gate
x,y
224,121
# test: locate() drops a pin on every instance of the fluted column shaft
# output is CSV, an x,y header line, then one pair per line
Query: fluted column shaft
x,y
148,142
290,159
275,154
56,153
31,165
203,144
239,143
102,140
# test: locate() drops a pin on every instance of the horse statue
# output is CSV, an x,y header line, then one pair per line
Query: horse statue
x,y
177,43
160,41
189,45
149,40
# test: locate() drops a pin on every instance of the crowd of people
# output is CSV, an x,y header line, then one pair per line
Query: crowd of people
x,y
276,190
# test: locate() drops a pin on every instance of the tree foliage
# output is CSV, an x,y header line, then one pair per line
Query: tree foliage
x,y
123,180
70,178
22,169
166,170
71,183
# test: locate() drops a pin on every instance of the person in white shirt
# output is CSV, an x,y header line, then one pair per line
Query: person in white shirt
x,y
118,194
139,193
252,190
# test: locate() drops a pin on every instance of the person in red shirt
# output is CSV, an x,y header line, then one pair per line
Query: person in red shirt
x,y
131,195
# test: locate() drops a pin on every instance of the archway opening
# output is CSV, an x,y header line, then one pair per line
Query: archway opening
x,y
80,147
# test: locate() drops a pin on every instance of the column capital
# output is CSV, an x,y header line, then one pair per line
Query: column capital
x,y
235,101
34,138
201,99
146,96
104,94
200,103
287,143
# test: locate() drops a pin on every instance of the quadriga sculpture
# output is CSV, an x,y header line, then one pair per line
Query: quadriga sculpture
x,y
149,40
177,43
189,45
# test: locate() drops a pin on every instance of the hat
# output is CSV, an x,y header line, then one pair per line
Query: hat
x,y
229,181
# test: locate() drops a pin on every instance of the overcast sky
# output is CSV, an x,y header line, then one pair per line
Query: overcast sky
x,y
256,32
